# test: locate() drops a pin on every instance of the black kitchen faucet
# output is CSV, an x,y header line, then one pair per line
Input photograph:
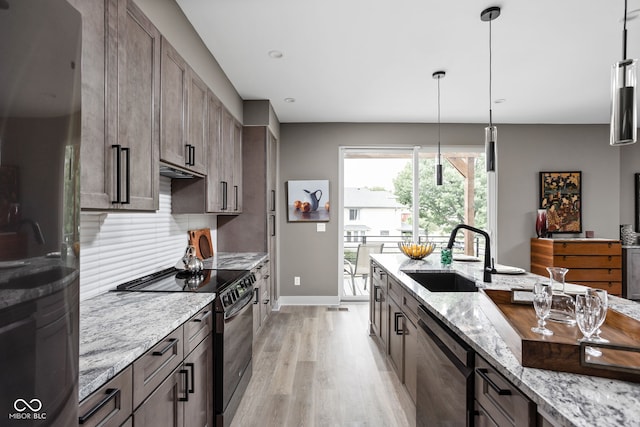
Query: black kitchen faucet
x,y
488,268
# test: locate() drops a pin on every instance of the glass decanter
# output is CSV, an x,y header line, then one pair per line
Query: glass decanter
x,y
563,306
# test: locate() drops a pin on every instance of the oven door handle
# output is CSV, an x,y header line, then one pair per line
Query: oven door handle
x,y
246,304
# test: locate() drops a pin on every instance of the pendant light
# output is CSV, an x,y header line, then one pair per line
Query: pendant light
x,y
438,75
624,117
490,132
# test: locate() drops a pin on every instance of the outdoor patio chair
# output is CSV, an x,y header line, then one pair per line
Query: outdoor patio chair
x,y
361,267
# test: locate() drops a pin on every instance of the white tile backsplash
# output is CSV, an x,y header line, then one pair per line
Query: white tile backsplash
x,y
119,246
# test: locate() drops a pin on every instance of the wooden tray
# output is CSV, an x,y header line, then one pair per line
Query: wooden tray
x,y
562,351
201,239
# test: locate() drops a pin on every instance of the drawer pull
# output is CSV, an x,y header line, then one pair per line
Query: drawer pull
x,y
191,366
482,372
112,393
172,343
204,316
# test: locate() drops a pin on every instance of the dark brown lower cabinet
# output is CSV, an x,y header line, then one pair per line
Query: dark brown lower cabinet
x,y
185,397
410,357
438,389
198,408
161,387
110,405
396,338
163,408
481,417
378,306
498,401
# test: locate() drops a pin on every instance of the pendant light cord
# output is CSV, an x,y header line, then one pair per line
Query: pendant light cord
x,y
438,120
624,33
490,110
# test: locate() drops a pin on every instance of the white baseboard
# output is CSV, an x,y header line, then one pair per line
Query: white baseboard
x,y
308,300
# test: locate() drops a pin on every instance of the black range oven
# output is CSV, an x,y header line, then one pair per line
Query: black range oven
x,y
233,326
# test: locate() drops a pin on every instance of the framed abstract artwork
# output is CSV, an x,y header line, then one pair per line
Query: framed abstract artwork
x,y
561,196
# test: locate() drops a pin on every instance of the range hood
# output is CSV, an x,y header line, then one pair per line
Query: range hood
x,y
175,173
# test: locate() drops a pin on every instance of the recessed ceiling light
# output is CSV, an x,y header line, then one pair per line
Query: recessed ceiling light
x,y
499,101
290,100
276,54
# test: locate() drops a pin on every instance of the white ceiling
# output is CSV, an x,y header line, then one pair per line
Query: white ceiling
x,y
372,60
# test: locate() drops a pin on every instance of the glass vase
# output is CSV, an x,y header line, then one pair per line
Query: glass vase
x,y
563,306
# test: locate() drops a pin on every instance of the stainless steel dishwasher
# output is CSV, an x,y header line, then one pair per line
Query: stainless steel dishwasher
x,y
445,375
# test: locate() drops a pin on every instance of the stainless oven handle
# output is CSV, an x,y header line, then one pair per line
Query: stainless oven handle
x,y
246,304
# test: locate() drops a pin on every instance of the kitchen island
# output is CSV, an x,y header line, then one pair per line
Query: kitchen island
x,y
563,398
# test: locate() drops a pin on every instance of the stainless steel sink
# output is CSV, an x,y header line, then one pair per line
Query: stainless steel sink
x,y
444,282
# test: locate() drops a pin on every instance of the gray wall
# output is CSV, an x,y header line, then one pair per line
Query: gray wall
x,y
629,165
167,16
310,151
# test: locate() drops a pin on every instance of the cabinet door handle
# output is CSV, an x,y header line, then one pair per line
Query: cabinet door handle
x,y
482,372
127,176
187,155
396,328
112,393
273,225
266,301
255,295
192,368
376,297
118,159
191,155
169,346
186,385
235,190
273,200
224,195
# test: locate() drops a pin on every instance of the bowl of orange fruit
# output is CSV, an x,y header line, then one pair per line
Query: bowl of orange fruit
x,y
416,250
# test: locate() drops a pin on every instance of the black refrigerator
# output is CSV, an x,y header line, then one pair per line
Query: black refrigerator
x,y
39,212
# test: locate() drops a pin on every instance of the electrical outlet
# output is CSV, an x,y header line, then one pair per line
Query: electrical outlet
x,y
296,280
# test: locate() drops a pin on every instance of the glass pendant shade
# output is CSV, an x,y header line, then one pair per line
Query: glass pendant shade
x,y
438,173
624,115
490,138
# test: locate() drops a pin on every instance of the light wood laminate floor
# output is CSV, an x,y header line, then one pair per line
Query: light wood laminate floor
x,y
318,367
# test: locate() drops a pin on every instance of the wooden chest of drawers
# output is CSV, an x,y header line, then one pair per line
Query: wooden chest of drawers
x,y
596,263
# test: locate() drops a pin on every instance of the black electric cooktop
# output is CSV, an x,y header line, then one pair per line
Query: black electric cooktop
x,y
174,280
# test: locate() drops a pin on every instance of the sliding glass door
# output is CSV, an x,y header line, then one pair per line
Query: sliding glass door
x,y
389,195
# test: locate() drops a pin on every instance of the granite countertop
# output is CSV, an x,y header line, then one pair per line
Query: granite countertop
x,y
118,327
569,399
235,260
